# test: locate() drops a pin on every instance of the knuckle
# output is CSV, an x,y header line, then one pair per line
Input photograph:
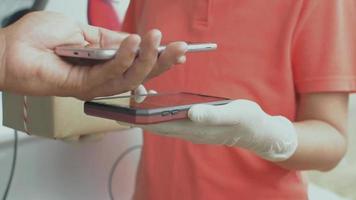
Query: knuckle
x,y
125,63
127,55
145,60
148,59
135,79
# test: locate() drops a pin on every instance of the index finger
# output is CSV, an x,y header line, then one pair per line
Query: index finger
x,y
169,57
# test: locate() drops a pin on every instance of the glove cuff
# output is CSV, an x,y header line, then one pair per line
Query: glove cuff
x,y
280,141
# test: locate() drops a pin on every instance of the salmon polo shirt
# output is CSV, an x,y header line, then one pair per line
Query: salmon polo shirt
x,y
269,51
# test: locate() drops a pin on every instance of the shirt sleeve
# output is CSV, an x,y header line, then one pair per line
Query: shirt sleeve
x,y
324,47
129,23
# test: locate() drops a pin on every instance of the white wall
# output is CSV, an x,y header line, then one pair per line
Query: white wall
x,y
77,8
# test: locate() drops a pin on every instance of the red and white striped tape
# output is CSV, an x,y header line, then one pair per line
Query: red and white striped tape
x,y
25,116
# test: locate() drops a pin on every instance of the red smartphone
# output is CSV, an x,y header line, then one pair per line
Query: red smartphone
x,y
154,108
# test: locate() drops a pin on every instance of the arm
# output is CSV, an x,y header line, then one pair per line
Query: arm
x,y
321,128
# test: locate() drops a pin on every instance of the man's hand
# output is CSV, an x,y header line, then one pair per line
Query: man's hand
x,y
30,66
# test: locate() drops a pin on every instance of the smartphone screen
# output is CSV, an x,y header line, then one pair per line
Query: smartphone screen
x,y
156,101
153,108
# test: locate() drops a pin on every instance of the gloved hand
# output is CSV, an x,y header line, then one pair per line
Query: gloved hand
x,y
241,123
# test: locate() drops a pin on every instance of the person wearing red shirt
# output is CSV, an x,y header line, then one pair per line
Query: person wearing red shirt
x,y
289,65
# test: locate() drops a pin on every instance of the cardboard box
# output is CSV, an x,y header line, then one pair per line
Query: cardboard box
x,y
53,117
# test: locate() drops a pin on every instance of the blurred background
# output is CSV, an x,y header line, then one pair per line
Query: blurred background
x,y
50,169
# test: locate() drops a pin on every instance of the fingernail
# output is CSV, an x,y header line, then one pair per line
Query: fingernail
x,y
158,35
181,59
137,43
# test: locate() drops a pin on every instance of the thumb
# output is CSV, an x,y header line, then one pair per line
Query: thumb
x,y
237,111
205,114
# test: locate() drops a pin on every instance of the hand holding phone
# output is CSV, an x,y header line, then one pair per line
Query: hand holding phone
x,y
79,55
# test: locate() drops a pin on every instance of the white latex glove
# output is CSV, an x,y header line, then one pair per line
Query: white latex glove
x,y
241,123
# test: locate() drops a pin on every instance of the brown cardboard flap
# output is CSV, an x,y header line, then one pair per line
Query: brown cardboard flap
x,y
40,111
70,119
54,117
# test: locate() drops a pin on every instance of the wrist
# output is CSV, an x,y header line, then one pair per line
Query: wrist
x,y
2,58
281,138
